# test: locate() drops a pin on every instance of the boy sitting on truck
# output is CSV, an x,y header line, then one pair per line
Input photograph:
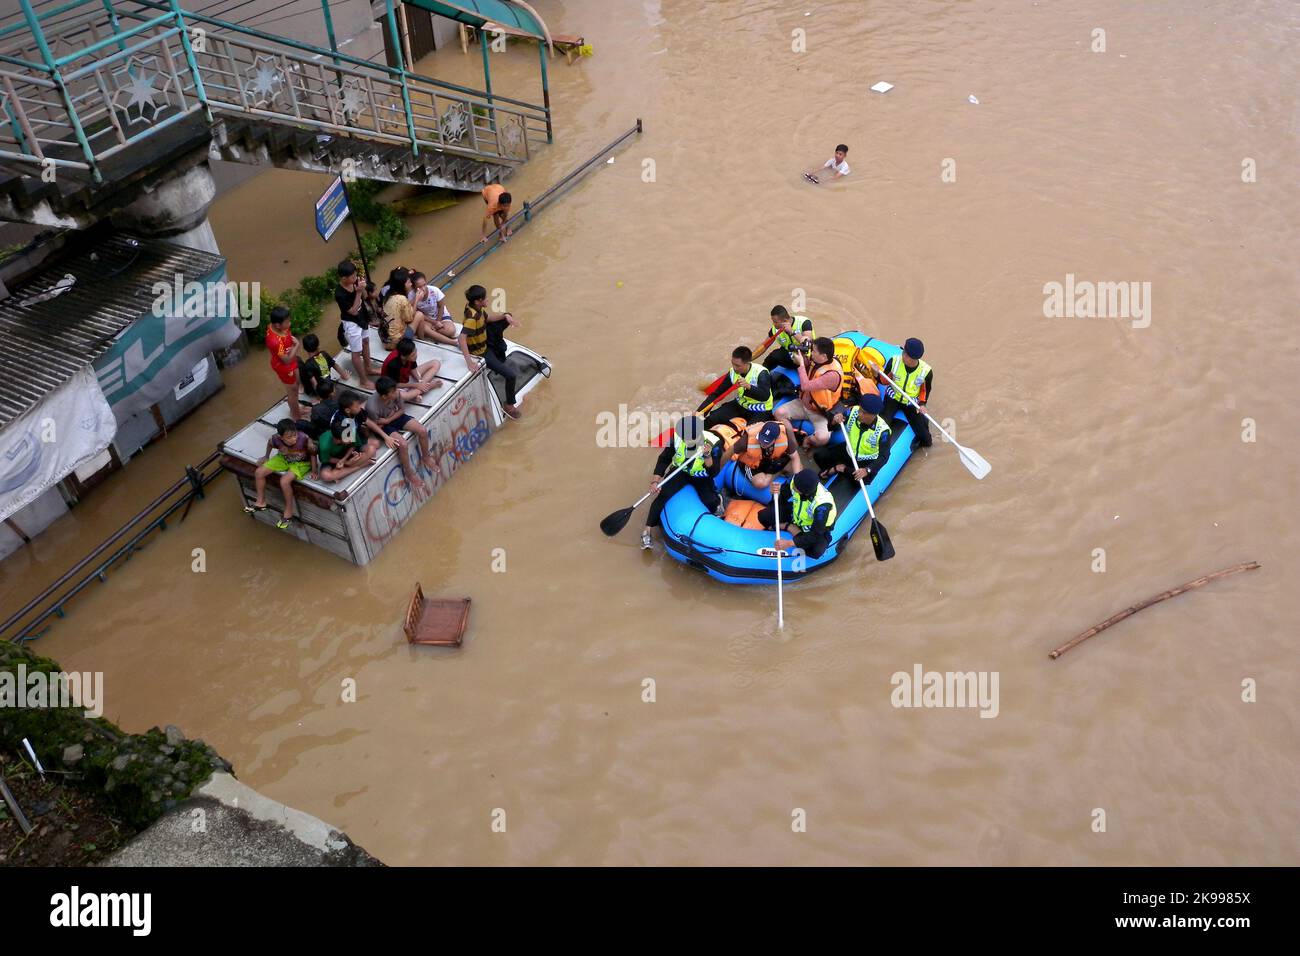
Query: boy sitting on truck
x,y
294,458
386,417
343,447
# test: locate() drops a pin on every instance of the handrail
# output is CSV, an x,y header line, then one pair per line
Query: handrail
x,y
81,109
345,57
455,268
194,478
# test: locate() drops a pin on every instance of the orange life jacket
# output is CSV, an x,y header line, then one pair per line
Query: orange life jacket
x,y
752,456
744,513
824,399
856,385
730,432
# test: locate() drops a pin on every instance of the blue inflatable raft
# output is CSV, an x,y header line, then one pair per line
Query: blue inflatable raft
x,y
739,555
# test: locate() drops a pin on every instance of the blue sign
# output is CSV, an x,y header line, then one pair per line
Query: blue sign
x,y
331,209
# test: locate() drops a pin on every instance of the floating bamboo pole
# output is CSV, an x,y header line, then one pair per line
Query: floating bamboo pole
x,y
1162,596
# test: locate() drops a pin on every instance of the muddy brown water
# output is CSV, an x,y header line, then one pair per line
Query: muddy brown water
x,y
1117,166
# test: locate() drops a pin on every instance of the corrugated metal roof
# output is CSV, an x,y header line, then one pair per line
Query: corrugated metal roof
x,y
45,341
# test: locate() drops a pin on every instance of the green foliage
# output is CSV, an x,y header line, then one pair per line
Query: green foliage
x,y
139,775
306,303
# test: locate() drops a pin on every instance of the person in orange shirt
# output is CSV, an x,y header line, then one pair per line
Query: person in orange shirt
x,y
498,210
284,357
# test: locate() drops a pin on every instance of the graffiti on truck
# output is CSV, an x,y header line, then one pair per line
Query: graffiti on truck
x,y
454,440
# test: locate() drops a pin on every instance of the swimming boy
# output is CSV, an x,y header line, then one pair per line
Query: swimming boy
x,y
837,164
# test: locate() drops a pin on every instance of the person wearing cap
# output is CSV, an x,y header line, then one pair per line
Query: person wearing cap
x,y
498,203
868,447
752,399
764,450
700,450
914,378
807,511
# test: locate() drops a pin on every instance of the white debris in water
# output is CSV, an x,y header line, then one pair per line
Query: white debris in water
x,y
973,99
882,87
1117,517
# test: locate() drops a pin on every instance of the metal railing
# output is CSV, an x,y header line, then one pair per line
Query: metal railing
x,y
85,80
23,625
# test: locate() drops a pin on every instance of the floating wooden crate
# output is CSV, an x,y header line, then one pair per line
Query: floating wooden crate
x,y
440,622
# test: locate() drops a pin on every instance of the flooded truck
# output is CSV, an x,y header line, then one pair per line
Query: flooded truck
x,y
356,516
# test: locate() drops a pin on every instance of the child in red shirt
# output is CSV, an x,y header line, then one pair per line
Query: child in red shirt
x,y
284,357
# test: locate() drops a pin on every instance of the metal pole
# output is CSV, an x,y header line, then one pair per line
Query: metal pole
x,y
117,26
356,231
401,72
199,91
546,93
329,32
487,71
38,34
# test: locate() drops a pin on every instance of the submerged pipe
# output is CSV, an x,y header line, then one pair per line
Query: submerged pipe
x,y
104,546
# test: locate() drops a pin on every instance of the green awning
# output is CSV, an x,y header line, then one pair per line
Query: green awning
x,y
478,12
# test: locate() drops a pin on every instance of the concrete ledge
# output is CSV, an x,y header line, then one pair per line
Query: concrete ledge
x,y
226,823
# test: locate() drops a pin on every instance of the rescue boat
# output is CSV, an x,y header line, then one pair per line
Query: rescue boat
x,y
739,555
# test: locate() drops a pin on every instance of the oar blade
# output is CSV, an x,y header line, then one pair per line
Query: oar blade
x,y
975,464
612,524
880,542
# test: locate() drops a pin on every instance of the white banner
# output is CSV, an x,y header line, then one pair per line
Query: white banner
x,y
45,444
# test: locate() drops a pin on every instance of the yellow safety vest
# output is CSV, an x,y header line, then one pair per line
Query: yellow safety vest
x,y
786,340
864,443
905,381
747,403
700,464
801,509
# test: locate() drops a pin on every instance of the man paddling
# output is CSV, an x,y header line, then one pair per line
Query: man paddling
x,y
753,401
809,511
868,447
914,378
701,452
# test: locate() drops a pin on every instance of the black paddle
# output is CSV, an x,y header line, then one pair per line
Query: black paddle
x,y
612,524
880,542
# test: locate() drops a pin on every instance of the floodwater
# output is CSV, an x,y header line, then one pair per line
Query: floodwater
x,y
1104,433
